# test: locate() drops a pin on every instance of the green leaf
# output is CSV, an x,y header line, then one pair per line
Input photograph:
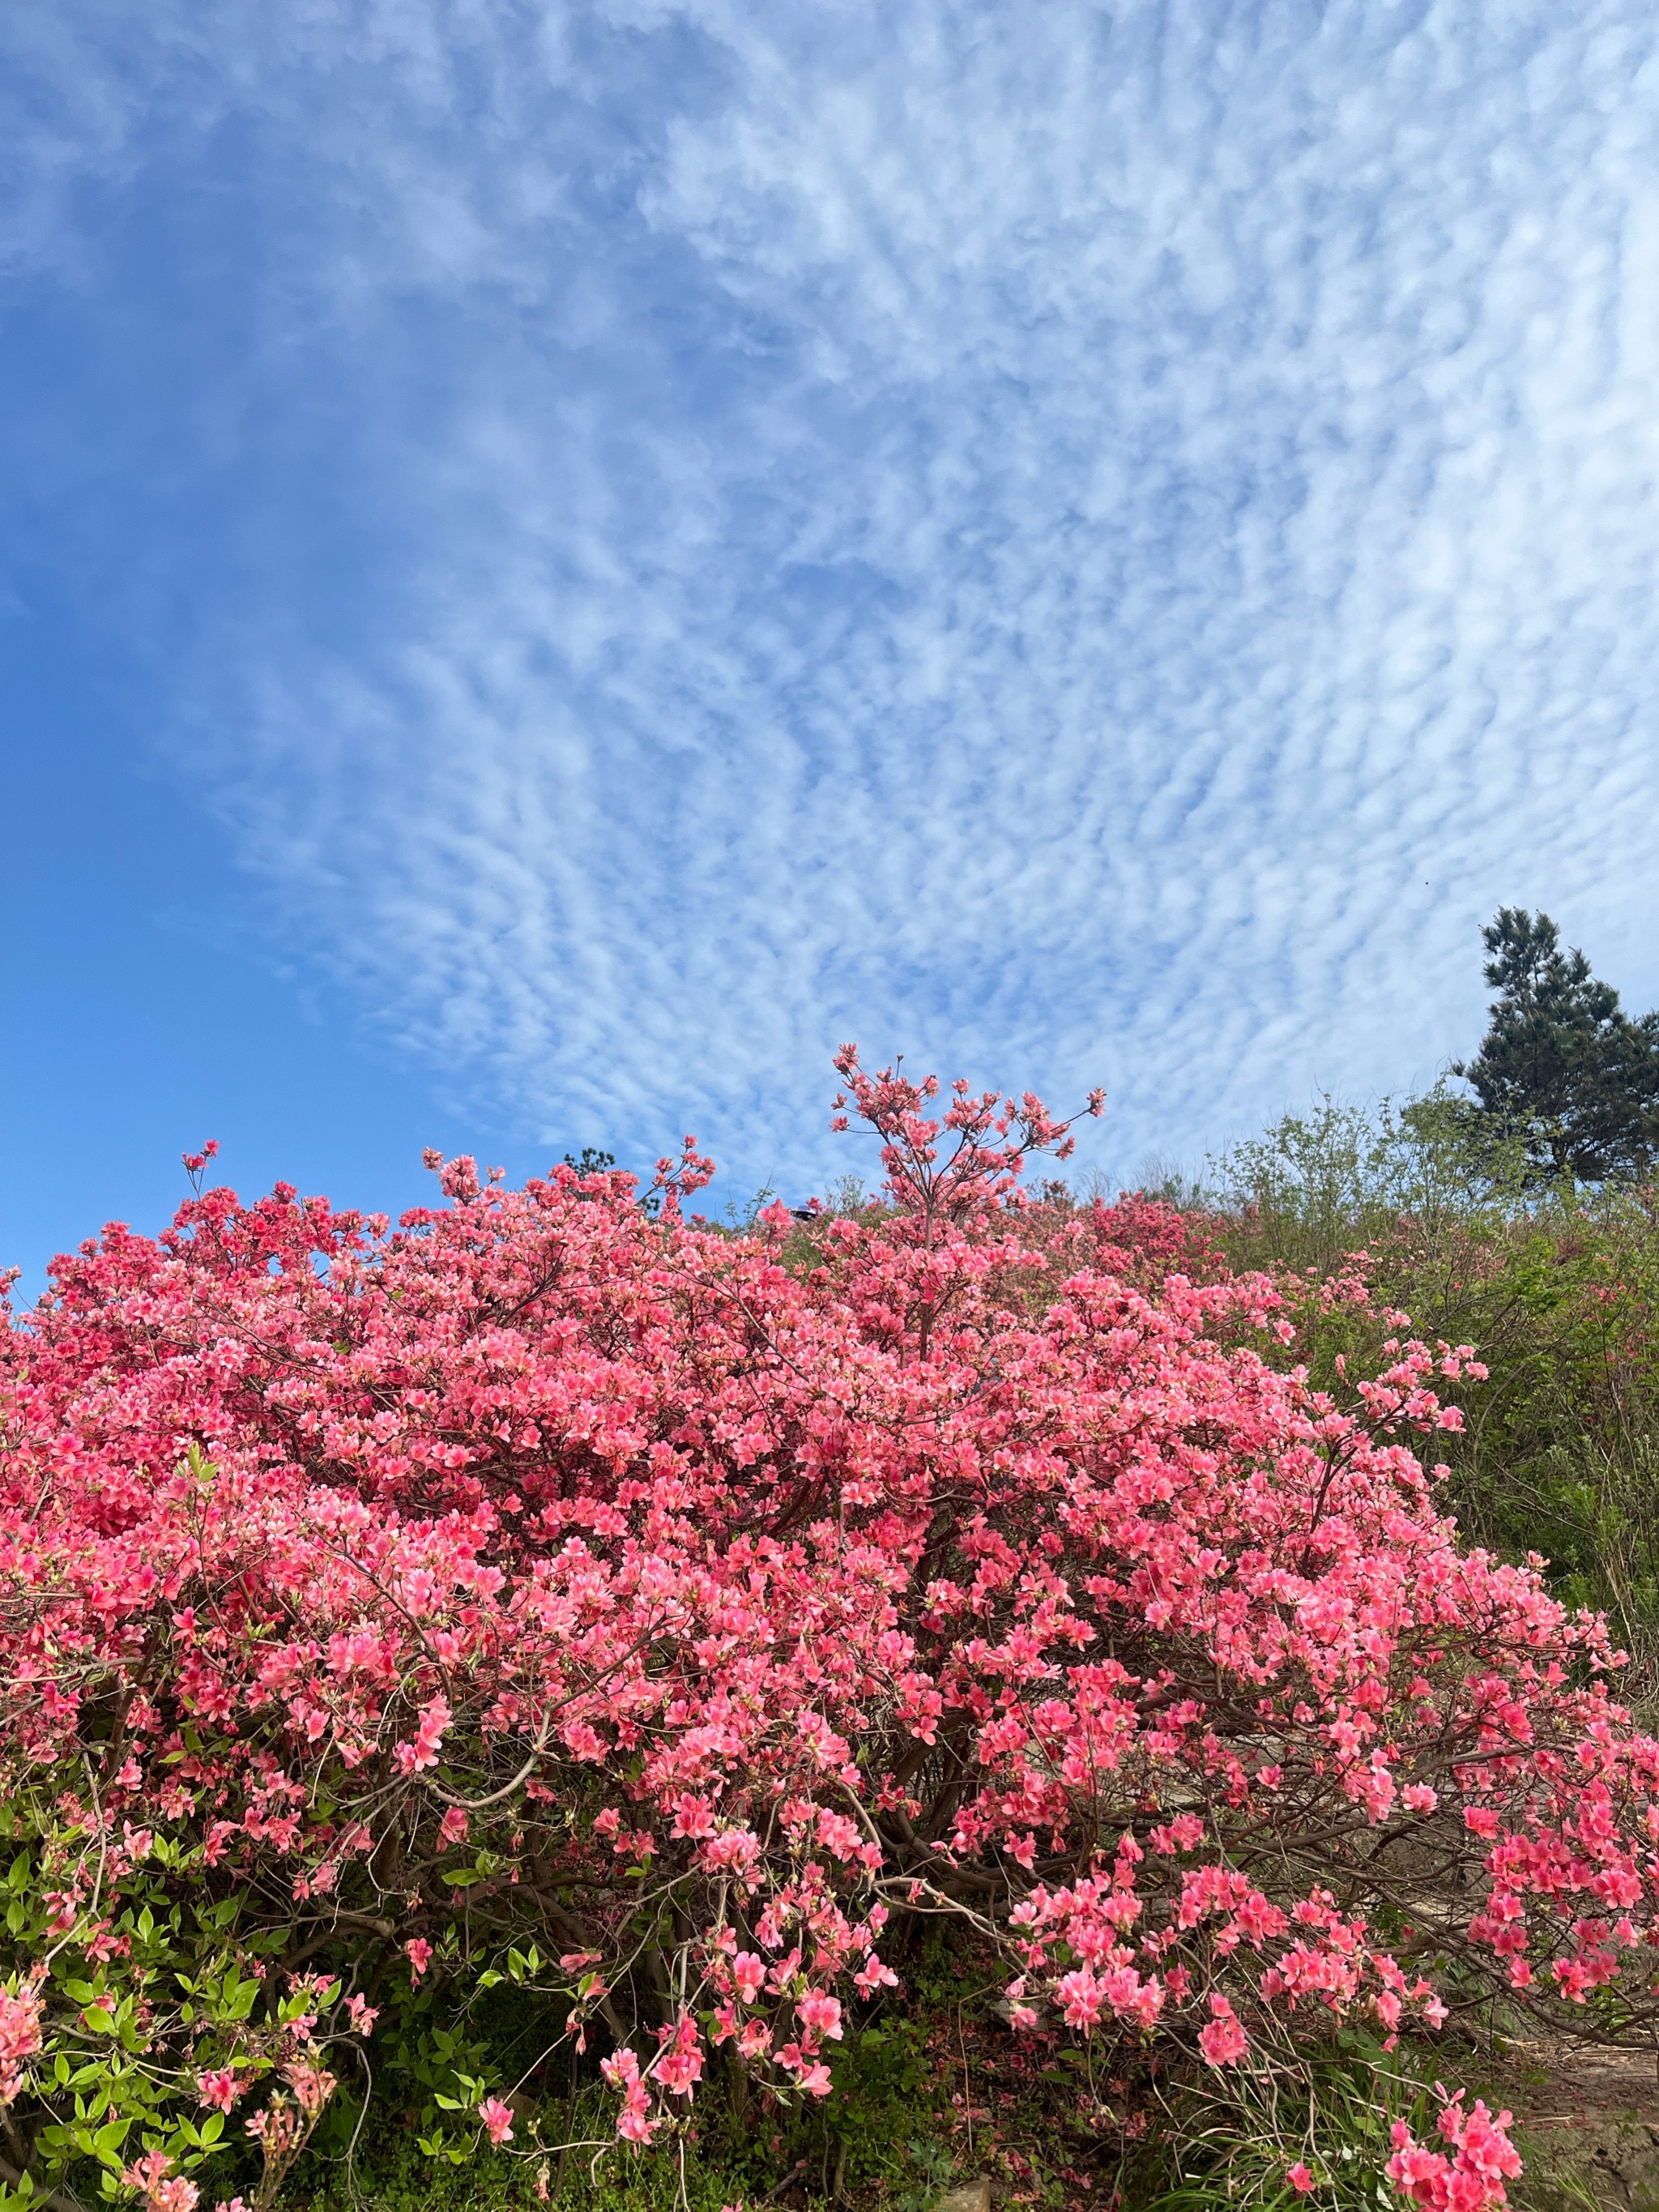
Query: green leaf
x,y
106,2143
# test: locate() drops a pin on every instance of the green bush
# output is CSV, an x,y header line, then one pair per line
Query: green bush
x,y
1556,1286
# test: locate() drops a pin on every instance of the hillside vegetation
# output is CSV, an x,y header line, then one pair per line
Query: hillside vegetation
x,y
557,1699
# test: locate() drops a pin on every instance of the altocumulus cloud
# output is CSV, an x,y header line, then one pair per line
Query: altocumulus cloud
x,y
1076,541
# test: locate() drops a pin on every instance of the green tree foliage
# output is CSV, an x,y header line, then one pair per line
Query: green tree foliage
x,y
1315,1186
590,1160
1562,1067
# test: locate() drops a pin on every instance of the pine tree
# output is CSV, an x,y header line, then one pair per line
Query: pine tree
x,y
1562,1067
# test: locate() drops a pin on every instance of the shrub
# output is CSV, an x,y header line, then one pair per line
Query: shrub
x,y
544,1593
1558,1285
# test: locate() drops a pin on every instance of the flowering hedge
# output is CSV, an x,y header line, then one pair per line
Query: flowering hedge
x,y
550,1588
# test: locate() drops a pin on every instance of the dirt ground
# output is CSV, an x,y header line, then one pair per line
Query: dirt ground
x,y
1589,2124
1559,2085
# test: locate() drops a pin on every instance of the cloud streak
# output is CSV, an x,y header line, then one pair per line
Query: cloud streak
x,y
1072,542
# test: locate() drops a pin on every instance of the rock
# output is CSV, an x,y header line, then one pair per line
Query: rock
x,y
972,2197
1611,2164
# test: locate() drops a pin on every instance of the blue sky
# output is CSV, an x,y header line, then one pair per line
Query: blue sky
x,y
560,561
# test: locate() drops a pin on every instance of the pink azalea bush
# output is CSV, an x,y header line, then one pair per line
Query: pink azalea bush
x,y
544,1579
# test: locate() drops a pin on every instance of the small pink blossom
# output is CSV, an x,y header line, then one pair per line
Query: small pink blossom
x,y
219,2089
1222,2040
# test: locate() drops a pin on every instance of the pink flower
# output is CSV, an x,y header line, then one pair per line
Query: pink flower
x,y
219,2089
1082,1998
693,1816
1222,2040
1470,2180
311,2085
21,2036
1299,2178
821,2014
680,2065
161,2188
497,2117
625,1515
423,1751
873,1975
621,2069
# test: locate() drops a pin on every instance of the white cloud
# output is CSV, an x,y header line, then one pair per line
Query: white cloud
x,y
1070,541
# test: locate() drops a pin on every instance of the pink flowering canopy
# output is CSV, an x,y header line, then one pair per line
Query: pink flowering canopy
x,y
550,1580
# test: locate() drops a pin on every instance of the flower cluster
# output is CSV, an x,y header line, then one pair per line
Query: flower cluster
x,y
21,2038
696,1606
1472,2176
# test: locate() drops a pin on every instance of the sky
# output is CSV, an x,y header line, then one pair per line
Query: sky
x,y
556,562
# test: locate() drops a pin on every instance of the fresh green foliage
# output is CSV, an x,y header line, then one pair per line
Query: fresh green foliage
x,y
1556,1286
1314,1188
1330,2120
175,1970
